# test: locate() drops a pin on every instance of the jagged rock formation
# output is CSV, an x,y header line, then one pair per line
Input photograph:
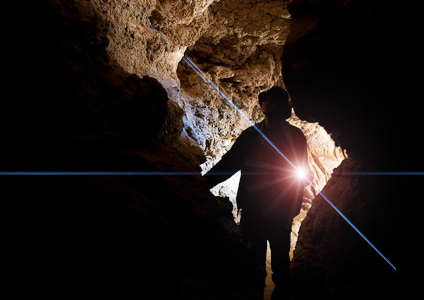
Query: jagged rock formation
x,y
222,37
98,89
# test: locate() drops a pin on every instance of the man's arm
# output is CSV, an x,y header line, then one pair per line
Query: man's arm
x,y
230,163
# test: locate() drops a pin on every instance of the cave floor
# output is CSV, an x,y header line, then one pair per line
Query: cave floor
x,y
269,285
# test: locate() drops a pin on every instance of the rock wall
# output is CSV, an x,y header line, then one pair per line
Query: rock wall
x,y
73,108
237,44
98,89
331,253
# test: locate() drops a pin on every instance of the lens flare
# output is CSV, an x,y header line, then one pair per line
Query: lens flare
x,y
300,173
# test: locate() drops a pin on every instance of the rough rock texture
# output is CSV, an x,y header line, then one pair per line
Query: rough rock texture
x,y
222,37
243,59
92,87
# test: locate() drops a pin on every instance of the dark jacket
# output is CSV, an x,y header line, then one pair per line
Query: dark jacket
x,y
268,181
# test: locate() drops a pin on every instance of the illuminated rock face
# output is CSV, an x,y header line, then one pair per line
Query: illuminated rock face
x,y
238,44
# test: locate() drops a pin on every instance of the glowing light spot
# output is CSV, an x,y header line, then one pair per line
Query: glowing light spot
x,y
300,173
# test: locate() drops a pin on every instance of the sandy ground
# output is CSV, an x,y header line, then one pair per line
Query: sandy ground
x,y
268,281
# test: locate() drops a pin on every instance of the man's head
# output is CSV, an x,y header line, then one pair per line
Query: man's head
x,y
275,103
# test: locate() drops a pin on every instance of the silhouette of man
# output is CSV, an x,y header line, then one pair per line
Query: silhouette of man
x,y
270,192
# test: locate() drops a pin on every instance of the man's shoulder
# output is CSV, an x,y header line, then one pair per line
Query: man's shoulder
x,y
249,134
292,127
249,129
295,131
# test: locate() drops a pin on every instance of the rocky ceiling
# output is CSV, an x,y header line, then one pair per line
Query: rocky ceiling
x,y
90,86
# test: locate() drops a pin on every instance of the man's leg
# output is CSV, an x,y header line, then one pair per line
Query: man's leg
x,y
279,240
252,231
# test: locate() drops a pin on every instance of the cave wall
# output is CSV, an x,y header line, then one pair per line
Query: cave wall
x,y
222,37
349,65
97,89
330,252
72,107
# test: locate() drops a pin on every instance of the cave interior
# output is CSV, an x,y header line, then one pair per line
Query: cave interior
x,y
70,106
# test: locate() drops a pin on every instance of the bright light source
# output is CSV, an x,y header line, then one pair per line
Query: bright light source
x,y
301,173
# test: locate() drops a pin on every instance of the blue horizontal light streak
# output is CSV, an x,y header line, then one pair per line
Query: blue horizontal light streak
x,y
385,173
177,173
119,173
97,173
